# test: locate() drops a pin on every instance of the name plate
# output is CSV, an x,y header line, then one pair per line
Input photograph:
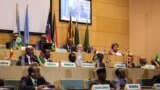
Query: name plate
x,y
119,66
68,64
132,87
5,63
101,87
157,86
88,65
51,64
149,66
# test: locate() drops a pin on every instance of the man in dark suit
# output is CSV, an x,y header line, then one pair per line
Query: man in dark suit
x,y
28,58
34,80
39,43
101,73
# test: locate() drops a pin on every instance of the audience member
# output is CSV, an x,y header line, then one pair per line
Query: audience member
x,y
156,79
34,80
121,79
99,62
142,61
101,73
43,39
12,43
114,50
72,57
131,63
28,58
69,46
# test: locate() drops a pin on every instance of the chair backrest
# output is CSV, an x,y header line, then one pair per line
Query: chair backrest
x,y
145,82
14,83
72,84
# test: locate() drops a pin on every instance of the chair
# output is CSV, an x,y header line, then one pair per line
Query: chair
x,y
72,84
145,82
13,83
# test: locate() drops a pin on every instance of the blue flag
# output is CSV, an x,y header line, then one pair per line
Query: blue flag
x,y
26,28
17,20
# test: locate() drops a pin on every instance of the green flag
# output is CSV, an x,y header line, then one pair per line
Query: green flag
x,y
156,58
19,41
41,58
86,40
76,40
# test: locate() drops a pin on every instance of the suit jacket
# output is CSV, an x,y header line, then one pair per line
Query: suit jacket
x,y
23,60
27,84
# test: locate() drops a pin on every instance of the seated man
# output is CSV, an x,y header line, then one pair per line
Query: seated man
x,y
69,46
156,79
42,40
99,62
101,73
114,50
121,80
131,63
72,57
34,80
142,61
28,58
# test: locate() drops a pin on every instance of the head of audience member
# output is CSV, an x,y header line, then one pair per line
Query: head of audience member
x,y
69,42
142,61
72,57
114,47
120,73
34,72
43,39
100,57
101,73
29,50
79,47
46,53
1,82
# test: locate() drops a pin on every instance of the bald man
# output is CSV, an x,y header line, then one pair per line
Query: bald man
x,y
28,58
43,39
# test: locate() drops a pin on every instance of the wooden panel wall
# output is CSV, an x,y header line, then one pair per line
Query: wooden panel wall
x,y
110,23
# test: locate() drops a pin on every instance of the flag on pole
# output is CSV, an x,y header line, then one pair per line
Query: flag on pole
x,y
76,40
54,33
48,28
11,54
156,58
86,40
41,58
18,39
26,28
70,30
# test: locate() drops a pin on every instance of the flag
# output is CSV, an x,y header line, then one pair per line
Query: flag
x,y
156,58
48,28
18,39
17,20
76,39
70,30
26,28
11,54
86,40
41,58
54,33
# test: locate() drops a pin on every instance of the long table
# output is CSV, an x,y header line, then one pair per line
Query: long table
x,y
53,75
